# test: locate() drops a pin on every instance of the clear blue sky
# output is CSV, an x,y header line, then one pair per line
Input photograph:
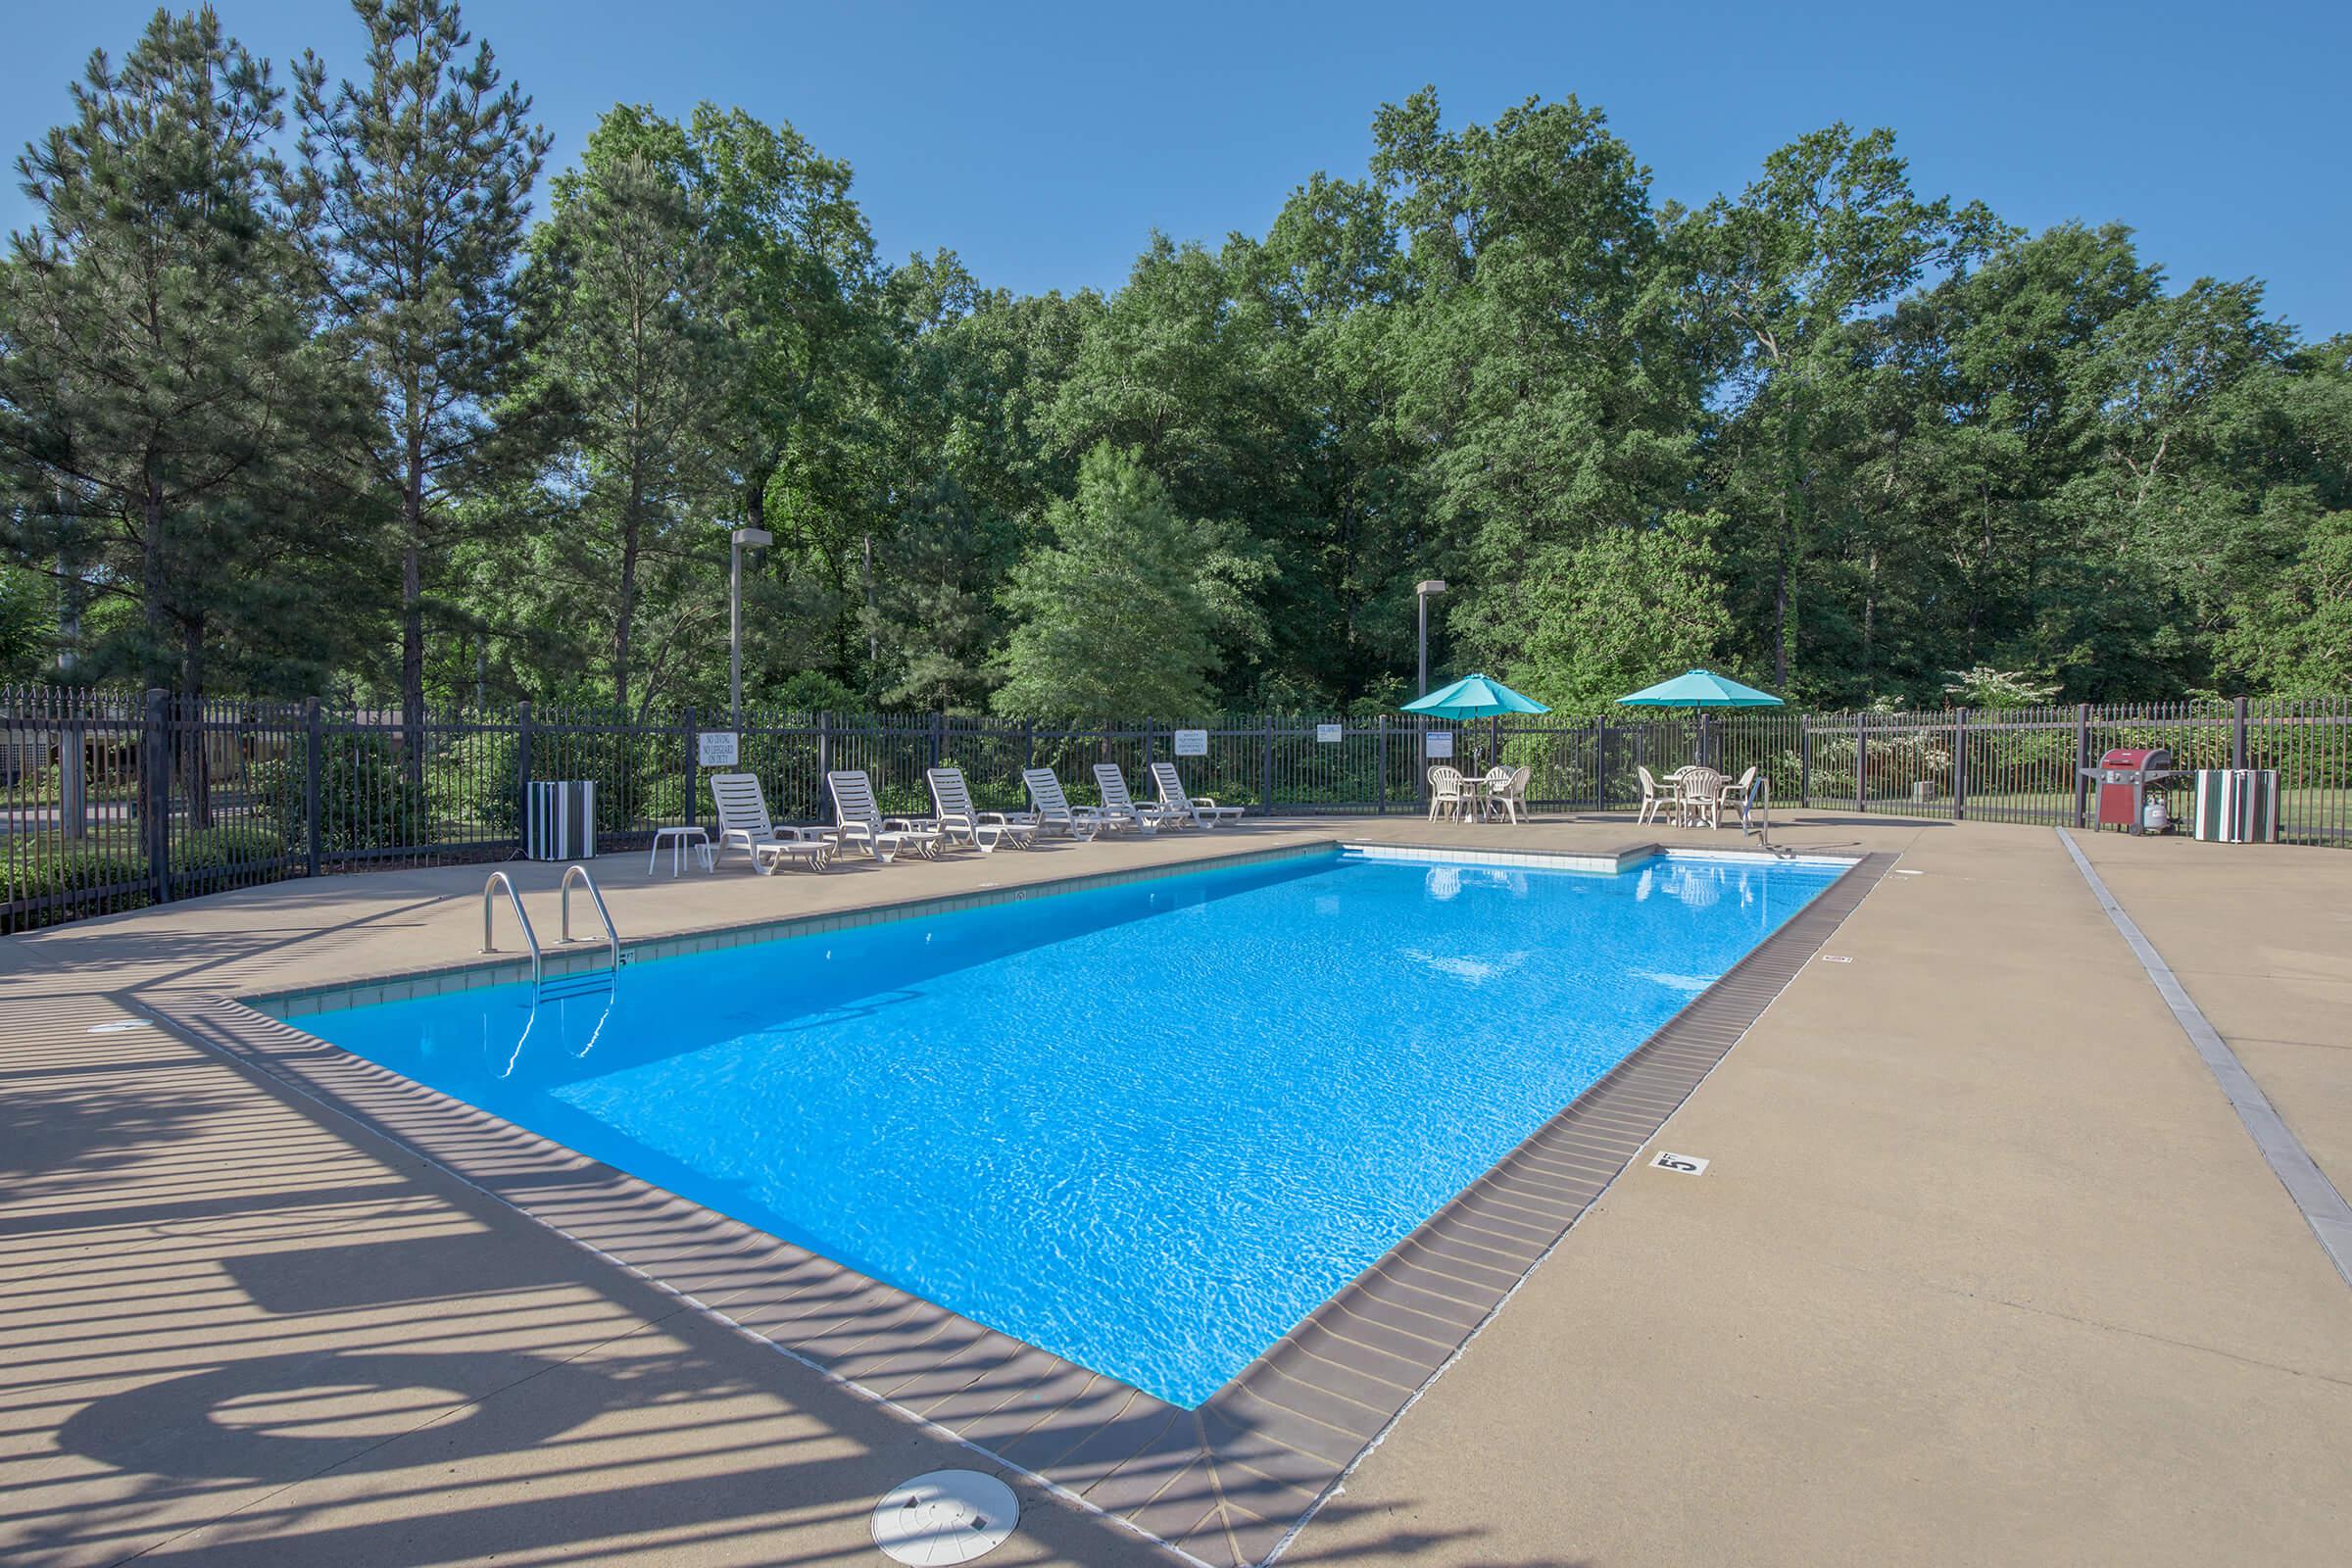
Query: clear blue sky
x,y
1043,143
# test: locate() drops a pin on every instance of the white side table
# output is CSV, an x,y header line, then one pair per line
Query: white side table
x,y
679,838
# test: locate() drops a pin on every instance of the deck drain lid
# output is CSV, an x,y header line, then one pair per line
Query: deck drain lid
x,y
945,1516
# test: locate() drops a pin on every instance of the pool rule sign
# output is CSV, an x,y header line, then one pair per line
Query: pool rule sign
x,y
715,748
1192,743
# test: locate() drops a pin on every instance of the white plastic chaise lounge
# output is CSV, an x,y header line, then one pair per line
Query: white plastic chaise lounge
x,y
959,823
1204,809
1119,809
744,823
1051,811
859,822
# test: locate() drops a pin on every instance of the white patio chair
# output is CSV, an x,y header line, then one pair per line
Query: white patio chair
x,y
1734,794
1051,810
1447,797
744,823
1653,799
1119,809
958,823
1507,795
1204,809
860,821
1698,793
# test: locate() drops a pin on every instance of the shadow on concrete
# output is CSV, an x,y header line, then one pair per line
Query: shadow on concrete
x,y
251,1336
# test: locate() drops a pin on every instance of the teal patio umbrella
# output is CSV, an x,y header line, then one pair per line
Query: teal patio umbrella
x,y
1699,688
1474,697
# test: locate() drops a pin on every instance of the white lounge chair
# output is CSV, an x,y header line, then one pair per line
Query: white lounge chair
x,y
744,823
1201,808
958,823
861,822
1119,809
1051,810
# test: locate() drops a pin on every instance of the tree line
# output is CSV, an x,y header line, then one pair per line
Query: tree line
x,y
297,395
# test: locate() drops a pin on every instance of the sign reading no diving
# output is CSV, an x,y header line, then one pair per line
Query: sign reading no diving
x,y
1192,743
715,748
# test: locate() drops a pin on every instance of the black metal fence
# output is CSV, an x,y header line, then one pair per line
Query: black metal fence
x,y
111,799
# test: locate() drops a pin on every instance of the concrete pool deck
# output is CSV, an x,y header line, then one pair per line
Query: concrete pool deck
x,y
1985,1268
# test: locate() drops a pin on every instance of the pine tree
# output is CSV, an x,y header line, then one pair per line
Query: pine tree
x,y
163,400
635,347
420,183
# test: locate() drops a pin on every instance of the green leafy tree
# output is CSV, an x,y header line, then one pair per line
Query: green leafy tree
x,y
1831,230
1120,615
1627,608
1535,361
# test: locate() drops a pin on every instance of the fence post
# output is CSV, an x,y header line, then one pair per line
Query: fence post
x,y
1379,783
2082,758
938,740
155,793
1600,761
73,779
2237,733
314,769
1147,729
1960,764
523,771
694,759
1861,766
1028,744
824,755
1804,761
1268,796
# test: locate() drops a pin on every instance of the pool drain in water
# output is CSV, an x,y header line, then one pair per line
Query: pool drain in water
x,y
944,1517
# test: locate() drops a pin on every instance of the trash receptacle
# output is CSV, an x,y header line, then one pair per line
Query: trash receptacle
x,y
2237,805
560,824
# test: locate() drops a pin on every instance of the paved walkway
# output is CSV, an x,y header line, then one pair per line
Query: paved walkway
x,y
1985,1269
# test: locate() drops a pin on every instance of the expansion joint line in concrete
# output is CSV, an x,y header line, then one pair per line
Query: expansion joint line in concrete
x,y
2323,1208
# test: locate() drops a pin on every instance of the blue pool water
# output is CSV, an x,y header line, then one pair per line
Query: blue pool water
x,y
1146,1127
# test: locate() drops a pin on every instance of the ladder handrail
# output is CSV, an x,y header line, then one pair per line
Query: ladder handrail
x,y
611,933
499,879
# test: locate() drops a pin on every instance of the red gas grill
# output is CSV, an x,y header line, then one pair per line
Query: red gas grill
x,y
2122,777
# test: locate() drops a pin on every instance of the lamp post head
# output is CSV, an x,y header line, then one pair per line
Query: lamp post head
x,y
751,538
1435,585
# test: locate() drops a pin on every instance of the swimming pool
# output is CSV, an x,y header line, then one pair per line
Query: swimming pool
x,y
1147,1127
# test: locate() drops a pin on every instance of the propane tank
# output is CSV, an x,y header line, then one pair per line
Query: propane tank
x,y
2153,818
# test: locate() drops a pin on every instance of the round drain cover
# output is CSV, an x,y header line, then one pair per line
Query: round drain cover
x,y
948,1516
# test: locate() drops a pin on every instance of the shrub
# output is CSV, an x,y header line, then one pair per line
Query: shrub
x,y
367,800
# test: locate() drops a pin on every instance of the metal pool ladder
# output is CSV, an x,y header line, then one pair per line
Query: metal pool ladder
x,y
612,935
530,938
500,879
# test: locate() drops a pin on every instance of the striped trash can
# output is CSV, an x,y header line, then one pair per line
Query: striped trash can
x,y
2237,805
561,822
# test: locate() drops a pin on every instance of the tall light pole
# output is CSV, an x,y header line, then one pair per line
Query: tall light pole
x,y
756,539
1423,593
